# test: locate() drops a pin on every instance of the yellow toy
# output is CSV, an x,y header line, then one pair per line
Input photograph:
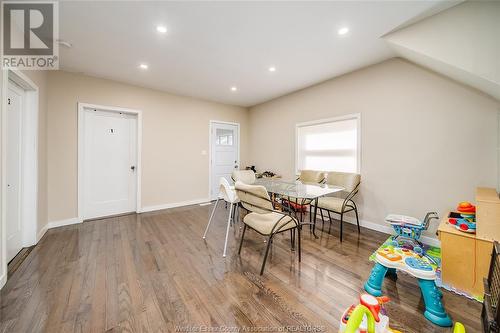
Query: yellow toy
x,y
367,317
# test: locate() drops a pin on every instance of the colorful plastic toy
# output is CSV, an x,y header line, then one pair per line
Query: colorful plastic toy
x,y
390,260
465,217
459,328
368,316
409,229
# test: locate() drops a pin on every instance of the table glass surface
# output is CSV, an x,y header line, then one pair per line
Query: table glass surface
x,y
297,189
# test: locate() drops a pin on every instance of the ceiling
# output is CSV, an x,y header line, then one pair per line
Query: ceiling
x,y
461,43
212,46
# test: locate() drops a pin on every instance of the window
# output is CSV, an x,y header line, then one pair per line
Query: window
x,y
329,145
224,137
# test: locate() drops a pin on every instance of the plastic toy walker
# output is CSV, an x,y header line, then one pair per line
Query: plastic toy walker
x,y
409,229
368,316
393,259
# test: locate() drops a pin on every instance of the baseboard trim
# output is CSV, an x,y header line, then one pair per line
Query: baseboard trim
x,y
62,223
148,209
389,230
42,232
364,223
3,279
76,220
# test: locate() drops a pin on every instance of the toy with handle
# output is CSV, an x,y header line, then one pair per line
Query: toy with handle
x,y
366,317
356,318
409,229
361,311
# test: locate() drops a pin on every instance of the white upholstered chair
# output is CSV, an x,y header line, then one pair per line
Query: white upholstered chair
x,y
311,176
228,194
245,176
344,204
263,218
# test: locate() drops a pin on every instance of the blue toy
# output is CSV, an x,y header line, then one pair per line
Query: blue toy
x,y
409,229
392,259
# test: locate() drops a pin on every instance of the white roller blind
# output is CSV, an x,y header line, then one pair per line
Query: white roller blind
x,y
329,146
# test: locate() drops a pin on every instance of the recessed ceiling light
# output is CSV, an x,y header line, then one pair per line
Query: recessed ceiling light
x,y
234,88
272,69
143,66
343,31
161,28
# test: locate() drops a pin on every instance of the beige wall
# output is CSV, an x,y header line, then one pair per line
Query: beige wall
x,y
427,141
175,131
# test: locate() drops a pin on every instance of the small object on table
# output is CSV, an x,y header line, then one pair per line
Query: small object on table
x,y
251,168
368,316
393,259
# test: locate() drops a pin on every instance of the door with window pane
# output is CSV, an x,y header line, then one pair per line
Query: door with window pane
x,y
329,145
224,153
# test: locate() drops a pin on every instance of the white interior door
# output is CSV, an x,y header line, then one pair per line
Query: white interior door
x,y
109,163
224,153
13,169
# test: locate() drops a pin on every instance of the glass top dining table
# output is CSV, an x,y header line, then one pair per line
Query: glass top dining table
x,y
297,189
298,193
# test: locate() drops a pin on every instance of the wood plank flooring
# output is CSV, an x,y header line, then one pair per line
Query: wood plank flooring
x,y
154,273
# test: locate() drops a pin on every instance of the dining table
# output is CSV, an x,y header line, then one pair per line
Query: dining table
x,y
295,194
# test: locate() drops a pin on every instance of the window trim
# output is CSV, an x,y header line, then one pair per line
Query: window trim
x,y
355,116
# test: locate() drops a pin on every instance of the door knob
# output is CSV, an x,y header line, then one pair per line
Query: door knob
x,y
132,167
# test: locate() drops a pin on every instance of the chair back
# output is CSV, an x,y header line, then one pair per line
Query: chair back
x,y
245,176
311,176
226,191
347,180
254,198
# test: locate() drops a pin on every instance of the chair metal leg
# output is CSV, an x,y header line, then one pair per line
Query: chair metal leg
x,y
341,224
322,220
232,212
357,218
330,219
211,216
298,244
292,240
227,228
265,254
242,236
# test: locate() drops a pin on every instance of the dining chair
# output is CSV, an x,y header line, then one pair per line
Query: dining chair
x,y
341,205
263,218
228,194
311,176
305,176
245,176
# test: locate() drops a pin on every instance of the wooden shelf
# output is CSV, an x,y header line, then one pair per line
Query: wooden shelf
x,y
465,259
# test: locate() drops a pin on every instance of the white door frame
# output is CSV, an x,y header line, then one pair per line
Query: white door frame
x,y
81,131
210,153
29,164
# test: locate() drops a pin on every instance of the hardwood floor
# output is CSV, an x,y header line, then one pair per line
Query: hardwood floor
x,y
18,260
154,273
